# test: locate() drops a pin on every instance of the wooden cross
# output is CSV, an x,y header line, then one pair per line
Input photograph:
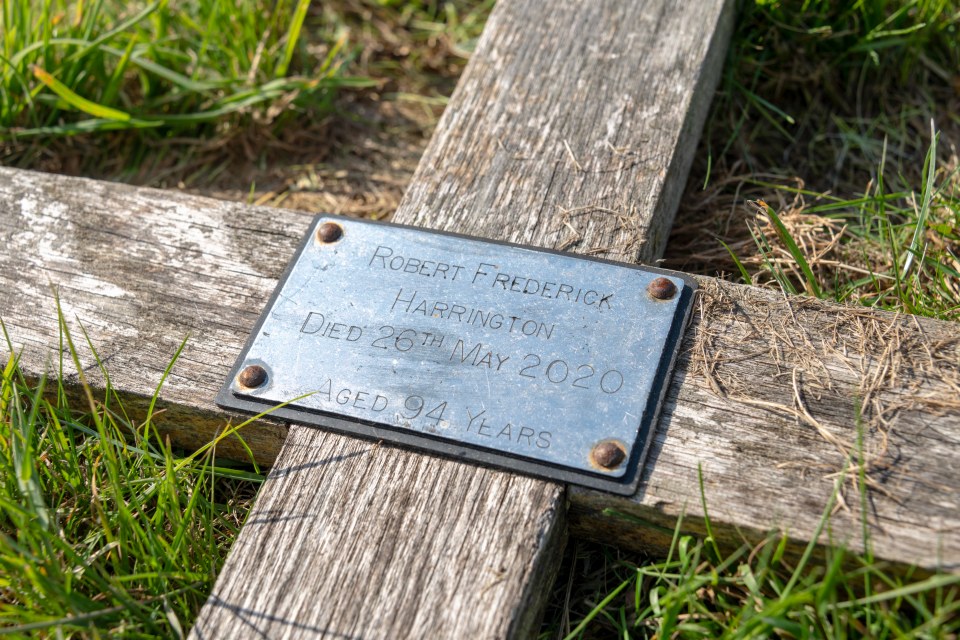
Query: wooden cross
x,y
573,127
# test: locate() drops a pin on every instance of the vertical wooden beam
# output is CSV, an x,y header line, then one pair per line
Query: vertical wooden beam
x,y
573,127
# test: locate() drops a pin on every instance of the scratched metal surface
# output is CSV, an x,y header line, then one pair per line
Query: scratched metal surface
x,y
507,355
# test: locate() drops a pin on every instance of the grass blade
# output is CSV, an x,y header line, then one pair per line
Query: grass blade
x,y
812,285
747,278
119,28
929,173
78,102
293,35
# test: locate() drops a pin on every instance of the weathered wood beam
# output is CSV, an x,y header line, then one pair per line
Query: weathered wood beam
x,y
120,256
769,400
573,127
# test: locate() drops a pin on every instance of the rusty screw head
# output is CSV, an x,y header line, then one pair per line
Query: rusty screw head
x,y
329,232
608,454
662,289
252,376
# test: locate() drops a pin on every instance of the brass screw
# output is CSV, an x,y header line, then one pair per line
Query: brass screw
x,y
608,454
662,289
252,376
329,232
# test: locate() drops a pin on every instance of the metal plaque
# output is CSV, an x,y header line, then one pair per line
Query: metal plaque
x,y
536,361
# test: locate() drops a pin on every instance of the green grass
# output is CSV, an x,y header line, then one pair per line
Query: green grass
x,y
750,593
829,165
894,251
761,591
162,69
104,530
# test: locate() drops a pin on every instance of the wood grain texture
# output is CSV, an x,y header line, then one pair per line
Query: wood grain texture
x,y
769,398
731,407
141,270
371,541
573,127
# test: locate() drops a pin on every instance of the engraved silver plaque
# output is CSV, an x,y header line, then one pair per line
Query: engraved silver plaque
x,y
536,361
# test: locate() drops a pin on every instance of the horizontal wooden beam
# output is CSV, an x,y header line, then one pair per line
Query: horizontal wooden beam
x,y
771,400
769,396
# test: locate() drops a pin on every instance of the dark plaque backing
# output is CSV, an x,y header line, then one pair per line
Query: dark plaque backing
x,y
535,361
